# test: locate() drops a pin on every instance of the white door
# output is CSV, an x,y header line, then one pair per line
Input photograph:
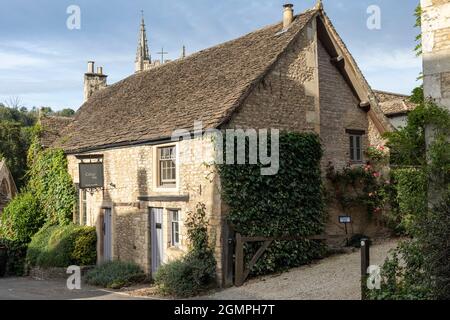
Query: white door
x,y
107,235
156,218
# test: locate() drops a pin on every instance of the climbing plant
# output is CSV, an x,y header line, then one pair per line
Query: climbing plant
x,y
289,203
50,183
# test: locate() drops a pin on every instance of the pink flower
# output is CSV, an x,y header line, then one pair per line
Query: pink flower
x,y
376,174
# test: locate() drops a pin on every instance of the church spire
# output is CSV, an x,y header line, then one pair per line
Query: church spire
x,y
143,58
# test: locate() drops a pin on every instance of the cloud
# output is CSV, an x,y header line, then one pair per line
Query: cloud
x,y
11,61
388,59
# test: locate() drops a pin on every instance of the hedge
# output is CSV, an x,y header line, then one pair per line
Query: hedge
x,y
62,246
21,219
410,185
289,203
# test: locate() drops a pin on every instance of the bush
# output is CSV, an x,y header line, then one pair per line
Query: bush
x,y
115,275
435,237
16,252
403,275
21,219
410,201
289,203
185,277
56,246
195,272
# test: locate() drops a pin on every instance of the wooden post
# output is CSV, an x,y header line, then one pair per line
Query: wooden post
x,y
239,261
365,263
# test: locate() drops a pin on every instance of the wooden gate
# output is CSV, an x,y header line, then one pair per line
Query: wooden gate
x,y
241,270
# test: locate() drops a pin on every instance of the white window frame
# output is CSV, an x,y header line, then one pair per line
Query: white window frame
x,y
156,173
173,222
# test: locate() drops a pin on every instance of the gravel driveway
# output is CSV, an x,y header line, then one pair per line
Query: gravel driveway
x,y
334,278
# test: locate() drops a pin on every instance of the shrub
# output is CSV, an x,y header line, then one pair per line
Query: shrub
x,y
16,252
436,247
21,219
410,186
289,203
115,275
62,246
185,277
195,272
403,275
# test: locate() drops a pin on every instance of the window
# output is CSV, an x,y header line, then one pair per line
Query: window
x,y
175,236
83,207
167,167
356,147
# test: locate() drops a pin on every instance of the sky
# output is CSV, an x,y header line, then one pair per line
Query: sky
x,y
42,61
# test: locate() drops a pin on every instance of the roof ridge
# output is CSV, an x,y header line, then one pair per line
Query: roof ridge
x,y
391,93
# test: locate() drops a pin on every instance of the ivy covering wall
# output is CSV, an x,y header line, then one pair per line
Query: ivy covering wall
x,y
289,203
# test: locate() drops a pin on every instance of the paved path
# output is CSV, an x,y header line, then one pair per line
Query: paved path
x,y
30,289
334,278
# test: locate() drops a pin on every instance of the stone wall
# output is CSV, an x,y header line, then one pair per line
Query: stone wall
x,y
436,50
338,111
287,98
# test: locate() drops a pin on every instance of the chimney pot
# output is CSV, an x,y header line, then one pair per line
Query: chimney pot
x,y
91,66
99,70
288,15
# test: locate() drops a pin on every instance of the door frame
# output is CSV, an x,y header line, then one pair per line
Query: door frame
x,y
154,238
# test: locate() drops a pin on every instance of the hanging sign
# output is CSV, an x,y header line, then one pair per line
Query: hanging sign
x,y
91,175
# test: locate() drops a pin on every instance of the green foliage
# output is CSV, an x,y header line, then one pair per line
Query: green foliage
x,y
419,269
403,275
411,185
115,275
14,142
355,186
21,219
16,251
289,203
418,24
408,145
52,185
435,236
62,246
193,273
417,95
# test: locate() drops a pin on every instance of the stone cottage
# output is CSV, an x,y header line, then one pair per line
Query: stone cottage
x,y
295,75
8,188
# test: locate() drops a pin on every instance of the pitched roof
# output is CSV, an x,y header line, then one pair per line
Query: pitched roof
x,y
394,103
206,86
52,128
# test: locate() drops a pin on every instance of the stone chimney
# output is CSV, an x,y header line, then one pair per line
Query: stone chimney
x,y
288,15
93,81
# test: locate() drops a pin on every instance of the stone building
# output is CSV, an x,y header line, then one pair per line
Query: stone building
x,y
395,107
7,186
296,75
